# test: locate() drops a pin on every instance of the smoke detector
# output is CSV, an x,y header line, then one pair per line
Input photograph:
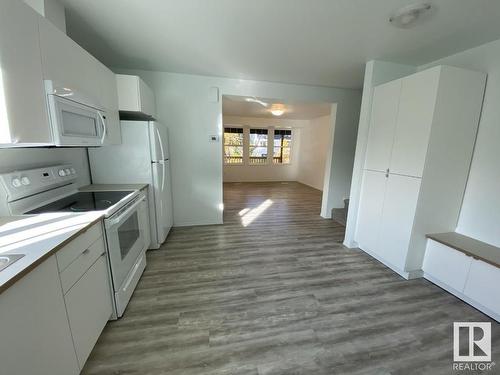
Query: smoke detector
x,y
407,16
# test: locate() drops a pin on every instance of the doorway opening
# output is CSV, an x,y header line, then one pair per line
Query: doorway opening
x,y
273,149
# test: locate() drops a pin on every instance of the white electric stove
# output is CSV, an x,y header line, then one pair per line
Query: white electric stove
x,y
126,222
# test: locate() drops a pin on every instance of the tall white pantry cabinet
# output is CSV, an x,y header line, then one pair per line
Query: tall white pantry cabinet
x,y
422,133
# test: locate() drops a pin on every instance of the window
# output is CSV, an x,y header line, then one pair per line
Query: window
x,y
258,146
282,146
233,146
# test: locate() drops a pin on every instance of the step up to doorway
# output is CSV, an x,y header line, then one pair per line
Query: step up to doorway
x,y
340,214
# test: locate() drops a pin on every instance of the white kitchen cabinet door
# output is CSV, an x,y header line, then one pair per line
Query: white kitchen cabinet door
x,y
89,308
68,64
400,204
134,95
483,285
35,334
446,265
23,113
382,125
370,210
414,122
109,100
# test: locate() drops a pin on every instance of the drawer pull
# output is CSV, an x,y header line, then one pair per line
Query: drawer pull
x,y
86,251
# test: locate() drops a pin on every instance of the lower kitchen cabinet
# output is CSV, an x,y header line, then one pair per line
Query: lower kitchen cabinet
x,y
89,307
483,285
33,318
440,259
473,280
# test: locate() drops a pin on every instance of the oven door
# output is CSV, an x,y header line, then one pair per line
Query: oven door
x,y
76,124
127,234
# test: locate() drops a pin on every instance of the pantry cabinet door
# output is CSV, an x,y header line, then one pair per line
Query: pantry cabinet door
x,y
382,125
23,113
414,122
397,218
370,210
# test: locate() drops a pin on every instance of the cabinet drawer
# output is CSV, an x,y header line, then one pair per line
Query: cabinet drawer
x,y
80,265
88,304
483,285
76,247
446,265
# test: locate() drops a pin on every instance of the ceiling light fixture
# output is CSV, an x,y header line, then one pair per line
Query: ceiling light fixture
x,y
277,109
407,16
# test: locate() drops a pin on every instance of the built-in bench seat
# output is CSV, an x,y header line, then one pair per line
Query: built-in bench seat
x,y
467,268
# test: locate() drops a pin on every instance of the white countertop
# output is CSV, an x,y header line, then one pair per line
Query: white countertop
x,y
38,237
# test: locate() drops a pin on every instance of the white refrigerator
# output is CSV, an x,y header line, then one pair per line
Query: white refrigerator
x,y
143,157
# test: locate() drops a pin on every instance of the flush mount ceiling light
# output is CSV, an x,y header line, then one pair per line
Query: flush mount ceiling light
x,y
277,109
407,16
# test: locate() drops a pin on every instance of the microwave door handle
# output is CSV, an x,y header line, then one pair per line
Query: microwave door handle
x,y
104,129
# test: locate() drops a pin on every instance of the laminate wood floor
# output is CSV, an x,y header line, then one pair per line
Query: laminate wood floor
x,y
272,291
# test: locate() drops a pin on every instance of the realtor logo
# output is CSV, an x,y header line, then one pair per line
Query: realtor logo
x,y
472,342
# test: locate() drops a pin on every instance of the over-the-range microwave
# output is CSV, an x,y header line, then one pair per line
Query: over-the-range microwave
x,y
75,119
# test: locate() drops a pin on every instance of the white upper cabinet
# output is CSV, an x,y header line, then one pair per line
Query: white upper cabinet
x,y
382,125
414,121
109,95
23,113
66,63
135,96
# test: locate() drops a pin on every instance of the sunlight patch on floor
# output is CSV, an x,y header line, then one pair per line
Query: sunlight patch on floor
x,y
249,216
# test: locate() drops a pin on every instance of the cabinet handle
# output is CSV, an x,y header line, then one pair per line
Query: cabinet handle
x,y
86,251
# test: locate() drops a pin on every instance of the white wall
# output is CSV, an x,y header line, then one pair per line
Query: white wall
x,y
480,213
185,106
53,10
376,73
268,172
340,160
314,145
27,158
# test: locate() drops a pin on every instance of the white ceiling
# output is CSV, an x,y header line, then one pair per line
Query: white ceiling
x,y
315,42
238,106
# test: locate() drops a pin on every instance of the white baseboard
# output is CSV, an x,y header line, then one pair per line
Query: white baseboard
x,y
404,274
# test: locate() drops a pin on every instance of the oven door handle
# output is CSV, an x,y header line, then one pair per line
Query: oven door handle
x,y
127,210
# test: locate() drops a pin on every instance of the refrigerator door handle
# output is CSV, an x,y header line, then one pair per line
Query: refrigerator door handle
x,y
163,176
160,141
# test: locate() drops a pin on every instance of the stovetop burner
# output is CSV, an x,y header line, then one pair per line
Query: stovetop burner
x,y
83,202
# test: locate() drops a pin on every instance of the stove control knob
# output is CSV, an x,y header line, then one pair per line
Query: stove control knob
x,y
16,182
25,181
62,172
73,171
68,172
